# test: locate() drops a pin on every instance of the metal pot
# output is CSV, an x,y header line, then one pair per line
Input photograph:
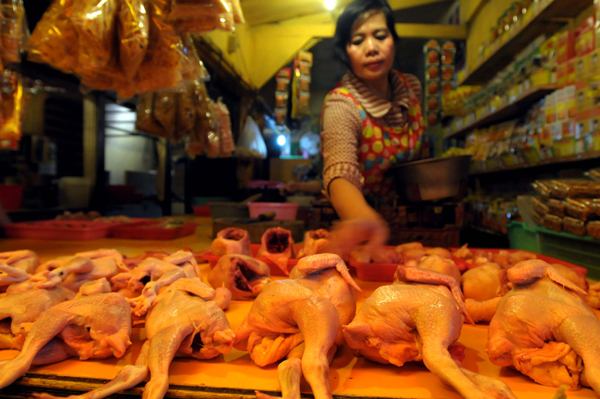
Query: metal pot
x,y
432,179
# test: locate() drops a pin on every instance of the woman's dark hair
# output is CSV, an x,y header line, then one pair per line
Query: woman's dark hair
x,y
346,21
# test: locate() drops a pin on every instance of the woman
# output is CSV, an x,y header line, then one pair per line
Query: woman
x,y
372,121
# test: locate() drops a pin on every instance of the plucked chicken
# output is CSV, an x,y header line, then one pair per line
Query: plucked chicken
x,y
544,329
277,245
419,318
440,265
301,318
184,322
242,275
366,254
231,241
483,288
19,311
16,266
91,327
315,242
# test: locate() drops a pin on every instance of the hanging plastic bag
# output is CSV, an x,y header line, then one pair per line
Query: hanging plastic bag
x,y
145,121
186,114
238,14
165,111
134,32
54,39
13,100
95,21
192,66
162,65
251,139
207,23
189,9
225,134
13,30
213,142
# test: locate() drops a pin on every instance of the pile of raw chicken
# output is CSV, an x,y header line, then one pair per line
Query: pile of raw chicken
x,y
540,316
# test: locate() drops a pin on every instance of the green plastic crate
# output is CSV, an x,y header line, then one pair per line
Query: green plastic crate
x,y
579,250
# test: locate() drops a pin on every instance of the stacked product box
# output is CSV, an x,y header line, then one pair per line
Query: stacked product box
x,y
433,81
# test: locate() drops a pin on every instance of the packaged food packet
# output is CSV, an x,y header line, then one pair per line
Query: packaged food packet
x,y
54,39
207,23
189,9
192,66
94,21
162,66
186,114
13,29
238,14
134,35
205,122
12,105
145,121
165,111
224,121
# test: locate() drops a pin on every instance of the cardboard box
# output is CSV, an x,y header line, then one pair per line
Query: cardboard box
x,y
565,46
593,64
585,37
581,68
570,76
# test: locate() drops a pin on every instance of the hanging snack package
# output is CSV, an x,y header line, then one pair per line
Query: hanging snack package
x,y
162,66
134,33
145,121
165,111
13,30
12,105
207,23
205,122
54,39
280,115
192,66
238,14
94,21
213,142
225,134
281,99
189,9
283,78
186,114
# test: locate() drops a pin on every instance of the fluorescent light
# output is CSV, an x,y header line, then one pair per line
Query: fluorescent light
x,y
281,140
330,4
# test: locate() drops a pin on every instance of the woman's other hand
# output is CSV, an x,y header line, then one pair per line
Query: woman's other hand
x,y
346,235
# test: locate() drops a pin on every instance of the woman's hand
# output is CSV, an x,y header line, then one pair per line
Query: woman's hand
x,y
346,235
289,188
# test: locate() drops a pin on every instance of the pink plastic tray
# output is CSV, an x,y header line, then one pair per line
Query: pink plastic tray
x,y
59,230
275,270
149,230
384,272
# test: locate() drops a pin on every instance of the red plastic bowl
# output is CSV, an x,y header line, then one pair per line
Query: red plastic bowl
x,y
275,270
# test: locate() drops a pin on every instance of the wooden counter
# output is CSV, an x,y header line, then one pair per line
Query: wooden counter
x,y
235,375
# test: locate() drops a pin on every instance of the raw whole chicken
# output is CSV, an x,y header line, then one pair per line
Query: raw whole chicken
x,y
184,322
483,288
19,311
411,253
16,266
441,252
440,265
544,329
91,327
243,276
315,242
277,245
153,274
420,317
136,260
301,318
365,254
231,241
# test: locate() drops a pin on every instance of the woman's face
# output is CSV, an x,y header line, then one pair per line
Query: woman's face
x,y
371,49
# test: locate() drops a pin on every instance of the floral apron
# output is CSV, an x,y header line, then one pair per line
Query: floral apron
x,y
382,146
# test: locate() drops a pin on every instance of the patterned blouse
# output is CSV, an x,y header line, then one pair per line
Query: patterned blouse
x,y
342,124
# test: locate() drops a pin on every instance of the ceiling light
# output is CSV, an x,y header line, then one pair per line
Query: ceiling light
x,y
281,140
330,4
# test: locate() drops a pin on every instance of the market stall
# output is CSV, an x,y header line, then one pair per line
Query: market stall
x,y
235,375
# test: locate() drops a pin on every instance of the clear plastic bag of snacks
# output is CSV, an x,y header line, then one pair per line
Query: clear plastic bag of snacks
x,y
580,208
145,121
207,23
186,114
189,9
556,207
13,99
205,124
575,189
55,40
94,21
165,111
238,14
134,35
225,134
593,229
552,222
192,66
542,188
574,226
162,66
13,30
539,207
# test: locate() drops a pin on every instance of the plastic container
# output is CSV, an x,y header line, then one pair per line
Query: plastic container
x,y
583,251
275,270
11,196
220,210
75,192
59,230
283,211
152,231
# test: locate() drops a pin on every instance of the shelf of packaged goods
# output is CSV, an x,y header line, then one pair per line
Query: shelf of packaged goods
x,y
547,20
508,111
553,161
